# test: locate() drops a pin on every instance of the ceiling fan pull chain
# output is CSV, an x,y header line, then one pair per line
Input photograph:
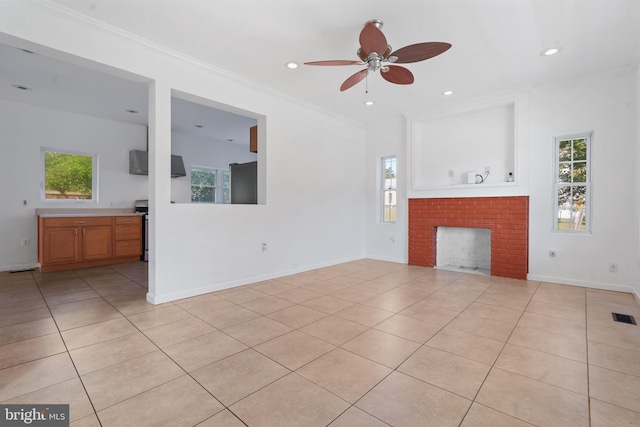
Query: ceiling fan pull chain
x,y
366,82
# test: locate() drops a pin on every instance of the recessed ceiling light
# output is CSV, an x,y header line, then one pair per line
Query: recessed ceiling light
x,y
230,140
447,93
291,65
132,111
21,87
198,126
369,103
550,51
25,50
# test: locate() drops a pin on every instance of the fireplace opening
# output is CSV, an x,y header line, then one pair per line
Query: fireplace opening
x,y
464,249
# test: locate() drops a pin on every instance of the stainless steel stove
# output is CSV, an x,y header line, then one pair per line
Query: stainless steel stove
x,y
142,206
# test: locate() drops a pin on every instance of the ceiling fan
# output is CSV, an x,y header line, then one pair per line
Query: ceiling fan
x,y
374,52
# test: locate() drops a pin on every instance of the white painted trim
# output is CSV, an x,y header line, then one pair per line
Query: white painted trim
x,y
20,267
173,296
404,260
592,285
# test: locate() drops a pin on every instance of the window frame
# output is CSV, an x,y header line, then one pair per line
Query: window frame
x,y
557,184
219,195
94,175
383,189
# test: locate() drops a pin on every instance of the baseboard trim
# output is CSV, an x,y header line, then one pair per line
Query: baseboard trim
x,y
19,267
173,296
584,284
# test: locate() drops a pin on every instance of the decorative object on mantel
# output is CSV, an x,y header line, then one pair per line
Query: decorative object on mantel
x,y
374,51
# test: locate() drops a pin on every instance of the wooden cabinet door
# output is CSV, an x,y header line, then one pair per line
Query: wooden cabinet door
x,y
97,242
61,245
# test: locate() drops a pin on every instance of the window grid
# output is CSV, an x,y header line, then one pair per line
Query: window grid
x,y
572,184
388,190
210,185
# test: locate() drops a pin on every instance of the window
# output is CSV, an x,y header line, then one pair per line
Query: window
x,y
69,176
573,183
209,185
389,189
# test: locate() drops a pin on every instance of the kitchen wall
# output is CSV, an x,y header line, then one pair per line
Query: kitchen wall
x,y
24,130
312,175
198,151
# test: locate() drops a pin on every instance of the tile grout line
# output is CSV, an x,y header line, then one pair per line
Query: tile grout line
x,y
95,412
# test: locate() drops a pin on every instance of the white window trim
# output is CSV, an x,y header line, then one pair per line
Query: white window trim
x,y
219,186
94,175
382,189
556,183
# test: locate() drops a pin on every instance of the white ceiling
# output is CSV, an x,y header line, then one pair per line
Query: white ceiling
x,y
496,47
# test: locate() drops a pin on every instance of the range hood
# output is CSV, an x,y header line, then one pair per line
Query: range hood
x,y
139,164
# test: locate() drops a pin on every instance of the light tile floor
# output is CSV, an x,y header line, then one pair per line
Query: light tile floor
x,y
366,343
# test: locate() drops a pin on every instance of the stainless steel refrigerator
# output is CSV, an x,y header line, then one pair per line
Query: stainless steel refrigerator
x,y
243,182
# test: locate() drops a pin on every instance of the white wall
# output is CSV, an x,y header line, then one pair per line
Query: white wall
x,y
314,176
24,130
603,104
197,151
636,220
386,241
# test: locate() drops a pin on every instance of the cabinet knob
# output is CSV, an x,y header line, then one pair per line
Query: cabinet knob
x,y
127,219
127,244
127,228
80,222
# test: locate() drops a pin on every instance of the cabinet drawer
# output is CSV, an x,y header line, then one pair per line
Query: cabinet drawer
x,y
128,232
133,219
77,221
128,248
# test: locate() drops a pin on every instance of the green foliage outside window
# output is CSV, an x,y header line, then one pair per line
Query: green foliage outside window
x,y
68,176
203,185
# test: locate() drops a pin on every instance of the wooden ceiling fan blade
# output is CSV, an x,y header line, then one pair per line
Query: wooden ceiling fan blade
x,y
372,39
397,75
353,80
334,62
420,52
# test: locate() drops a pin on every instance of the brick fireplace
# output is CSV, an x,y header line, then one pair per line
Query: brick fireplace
x,y
506,217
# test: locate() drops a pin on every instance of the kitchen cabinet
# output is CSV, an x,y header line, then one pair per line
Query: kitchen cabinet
x,y
253,139
71,242
127,234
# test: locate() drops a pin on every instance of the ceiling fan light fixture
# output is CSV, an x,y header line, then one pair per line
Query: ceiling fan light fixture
x,y
447,93
551,51
291,65
374,53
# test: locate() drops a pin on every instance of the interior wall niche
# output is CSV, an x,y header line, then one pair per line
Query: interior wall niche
x,y
465,148
217,144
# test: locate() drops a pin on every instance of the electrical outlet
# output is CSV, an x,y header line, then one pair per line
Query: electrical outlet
x,y
553,253
25,242
487,169
25,202
613,267
451,173
264,247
